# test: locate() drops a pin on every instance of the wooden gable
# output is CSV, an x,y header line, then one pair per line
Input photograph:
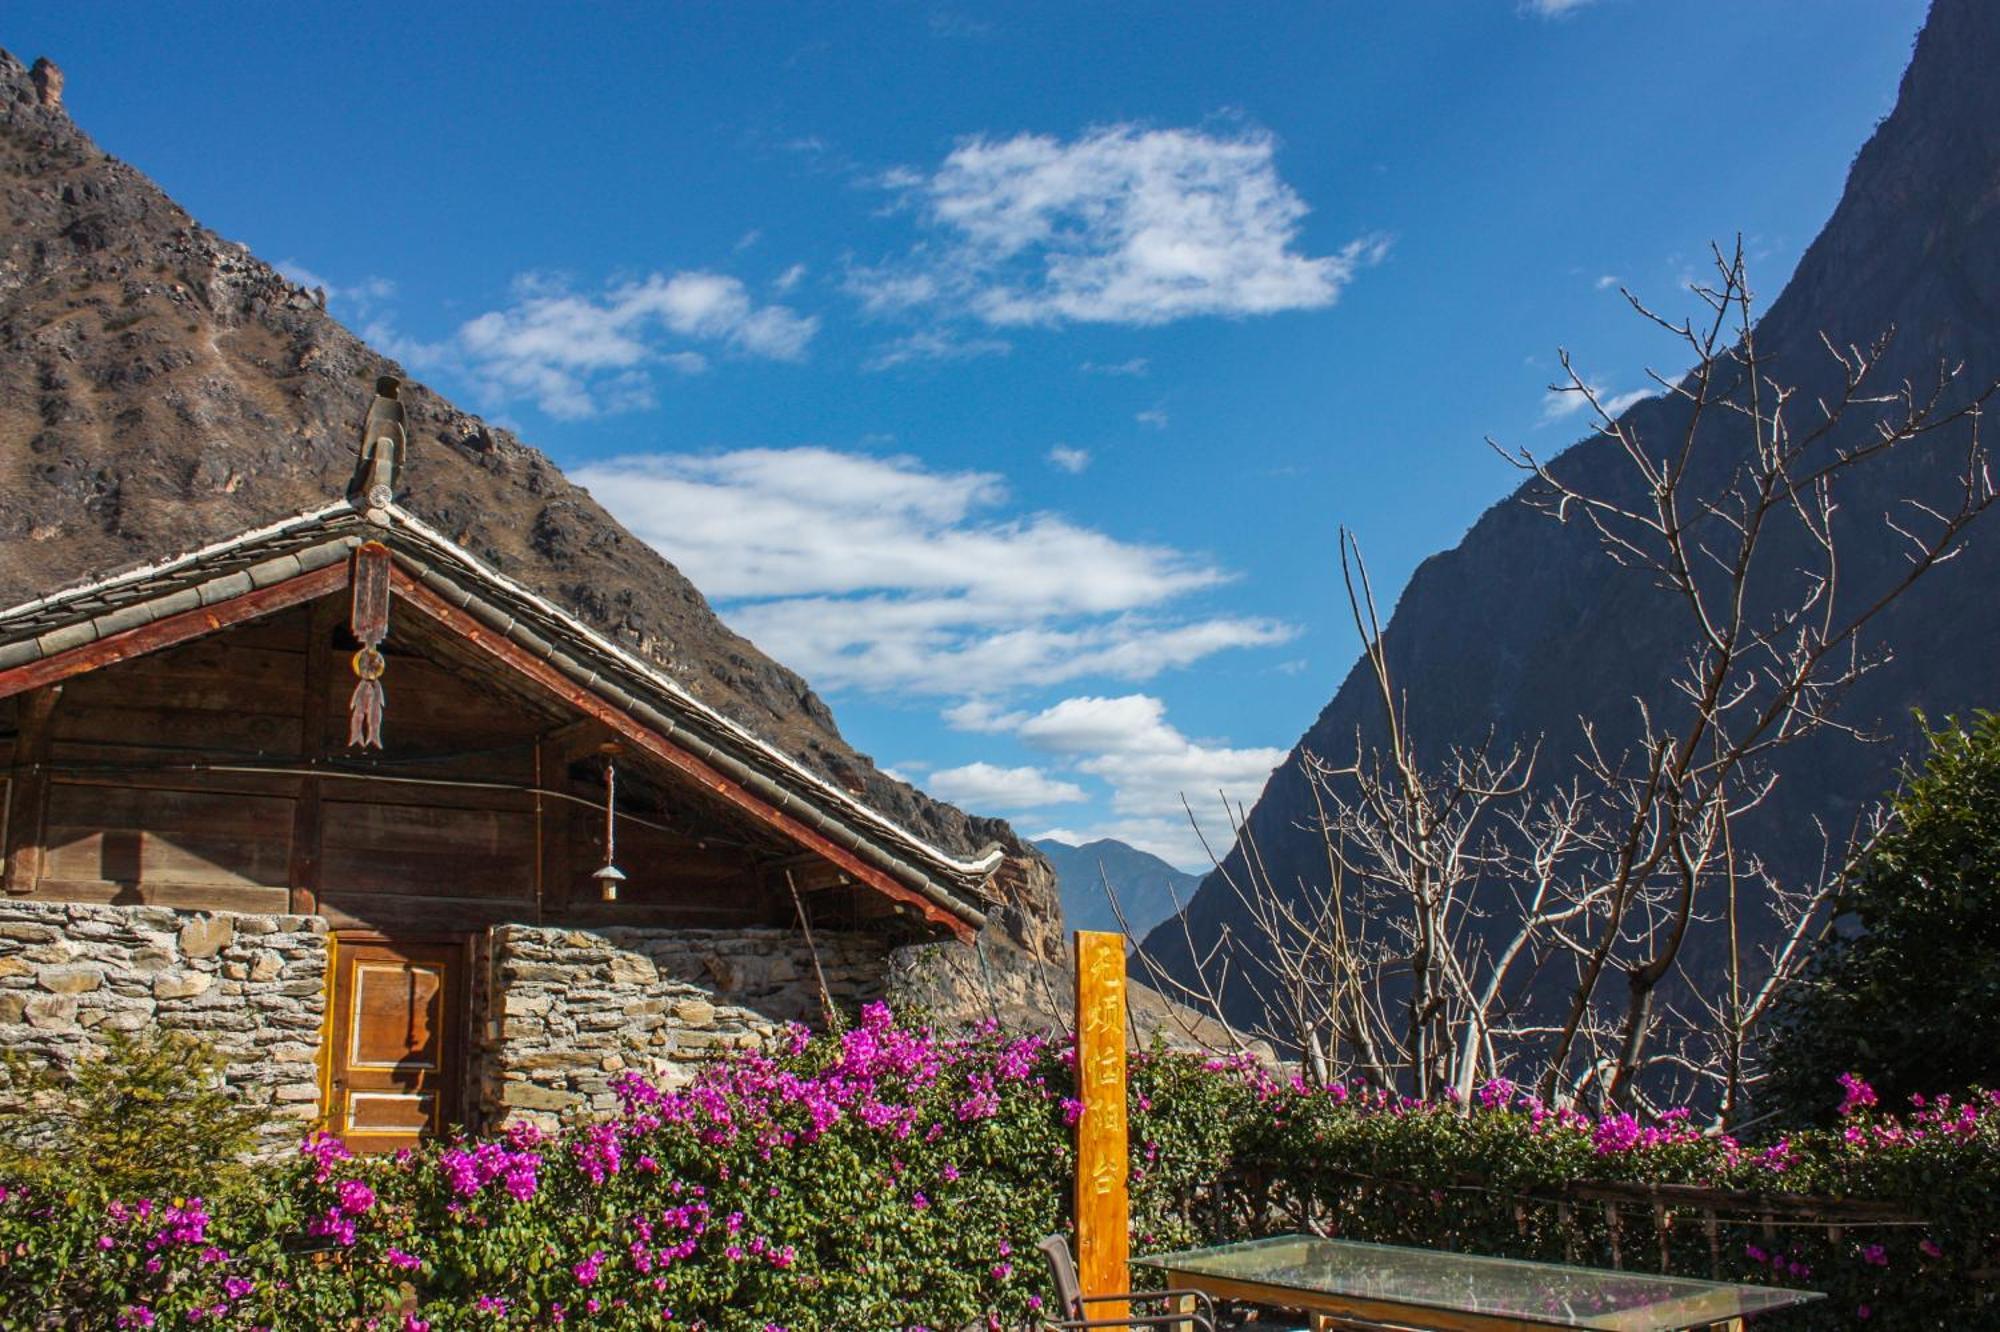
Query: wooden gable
x,y
197,761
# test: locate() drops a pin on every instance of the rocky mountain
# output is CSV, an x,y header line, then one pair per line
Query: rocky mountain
x,y
1148,889
1525,626
161,387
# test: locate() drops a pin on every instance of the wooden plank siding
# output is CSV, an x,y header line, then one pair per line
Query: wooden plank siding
x,y
443,829
503,653
135,834
28,789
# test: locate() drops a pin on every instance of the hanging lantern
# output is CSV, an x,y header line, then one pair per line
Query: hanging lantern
x,y
610,876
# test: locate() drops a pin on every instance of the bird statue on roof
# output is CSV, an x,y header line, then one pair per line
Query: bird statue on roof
x,y
385,443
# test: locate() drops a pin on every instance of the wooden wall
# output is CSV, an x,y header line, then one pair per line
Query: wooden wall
x,y
445,831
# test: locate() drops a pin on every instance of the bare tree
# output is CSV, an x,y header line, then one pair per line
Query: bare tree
x,y
1475,907
1776,638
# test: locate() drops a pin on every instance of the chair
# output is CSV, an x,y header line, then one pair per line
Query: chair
x,y
1072,1302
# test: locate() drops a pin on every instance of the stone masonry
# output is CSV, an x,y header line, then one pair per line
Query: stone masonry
x,y
252,986
567,1011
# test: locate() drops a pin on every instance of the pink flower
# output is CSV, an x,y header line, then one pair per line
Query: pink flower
x,y
1856,1095
324,1151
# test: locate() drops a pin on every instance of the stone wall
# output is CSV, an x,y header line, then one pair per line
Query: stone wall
x,y
564,1012
252,986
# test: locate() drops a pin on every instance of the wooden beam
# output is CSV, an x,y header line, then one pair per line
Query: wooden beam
x,y
28,789
173,629
308,825
507,652
554,818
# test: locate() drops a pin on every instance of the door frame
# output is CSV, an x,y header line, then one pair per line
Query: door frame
x,y
459,1023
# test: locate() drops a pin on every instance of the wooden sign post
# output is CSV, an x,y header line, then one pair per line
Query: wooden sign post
x,y
1103,1211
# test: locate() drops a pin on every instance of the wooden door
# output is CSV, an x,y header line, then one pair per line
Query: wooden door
x,y
396,1064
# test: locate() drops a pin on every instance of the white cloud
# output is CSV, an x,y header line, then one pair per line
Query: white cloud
x,y
1124,225
1553,9
1153,417
982,715
788,279
1149,765
878,573
978,786
1564,403
979,714
577,355
948,645
931,344
1619,403
1606,282
1134,368
1090,725
1069,459
1561,404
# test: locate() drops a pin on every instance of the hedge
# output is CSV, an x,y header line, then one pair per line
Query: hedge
x,y
887,1177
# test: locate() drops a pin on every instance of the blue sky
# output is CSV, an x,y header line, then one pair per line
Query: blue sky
x,y
1009,370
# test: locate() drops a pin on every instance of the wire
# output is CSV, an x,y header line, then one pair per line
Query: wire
x,y
275,770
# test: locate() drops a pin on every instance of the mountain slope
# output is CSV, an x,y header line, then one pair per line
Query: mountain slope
x,y
1149,890
161,387
1525,626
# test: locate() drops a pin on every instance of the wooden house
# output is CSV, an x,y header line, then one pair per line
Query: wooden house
x,y
412,844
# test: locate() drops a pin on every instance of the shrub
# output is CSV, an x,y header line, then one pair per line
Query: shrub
x,y
1912,993
149,1114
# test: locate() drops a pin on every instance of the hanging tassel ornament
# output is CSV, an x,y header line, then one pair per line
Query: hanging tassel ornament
x,y
610,876
369,622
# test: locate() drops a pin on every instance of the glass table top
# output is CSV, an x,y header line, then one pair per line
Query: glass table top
x,y
1502,1288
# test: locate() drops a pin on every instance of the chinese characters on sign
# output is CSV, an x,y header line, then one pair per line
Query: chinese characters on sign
x,y
1102,1208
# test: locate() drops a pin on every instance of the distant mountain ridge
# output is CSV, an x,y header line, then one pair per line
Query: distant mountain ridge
x,y
1148,889
1525,625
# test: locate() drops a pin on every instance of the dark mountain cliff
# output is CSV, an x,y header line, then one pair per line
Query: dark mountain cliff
x,y
1526,625
161,387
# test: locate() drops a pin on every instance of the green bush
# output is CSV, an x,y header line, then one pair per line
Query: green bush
x,y
1910,994
148,1115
